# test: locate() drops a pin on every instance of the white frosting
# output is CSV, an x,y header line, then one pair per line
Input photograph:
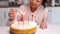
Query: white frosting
x,y
27,25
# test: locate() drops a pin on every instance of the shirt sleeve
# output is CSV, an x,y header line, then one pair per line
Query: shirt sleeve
x,y
44,20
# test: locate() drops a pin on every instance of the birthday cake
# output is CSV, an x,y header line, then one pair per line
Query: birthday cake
x,y
28,27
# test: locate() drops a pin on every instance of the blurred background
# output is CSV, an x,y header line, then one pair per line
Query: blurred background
x,y
53,7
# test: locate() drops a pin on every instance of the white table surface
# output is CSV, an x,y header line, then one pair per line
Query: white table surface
x,y
52,29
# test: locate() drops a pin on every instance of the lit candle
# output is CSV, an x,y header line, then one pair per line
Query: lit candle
x,y
18,23
23,19
28,19
22,13
32,17
17,15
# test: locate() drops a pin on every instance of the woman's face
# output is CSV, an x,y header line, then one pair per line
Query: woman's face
x,y
35,3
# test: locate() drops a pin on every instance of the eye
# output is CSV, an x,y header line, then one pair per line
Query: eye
x,y
39,0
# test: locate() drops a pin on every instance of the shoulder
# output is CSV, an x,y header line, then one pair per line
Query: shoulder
x,y
46,10
41,7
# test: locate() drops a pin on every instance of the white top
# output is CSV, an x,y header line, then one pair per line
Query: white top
x,y
20,2
38,16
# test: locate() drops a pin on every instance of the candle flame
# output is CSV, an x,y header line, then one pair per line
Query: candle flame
x,y
22,13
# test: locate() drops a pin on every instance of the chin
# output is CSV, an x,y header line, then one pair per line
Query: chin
x,y
34,6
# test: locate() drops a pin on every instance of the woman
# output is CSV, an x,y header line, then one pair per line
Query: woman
x,y
35,10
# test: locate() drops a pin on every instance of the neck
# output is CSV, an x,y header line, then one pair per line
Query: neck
x,y
33,9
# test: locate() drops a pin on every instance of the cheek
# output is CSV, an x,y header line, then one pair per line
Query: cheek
x,y
39,3
31,1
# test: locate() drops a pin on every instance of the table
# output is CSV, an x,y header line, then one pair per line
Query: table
x,y
52,29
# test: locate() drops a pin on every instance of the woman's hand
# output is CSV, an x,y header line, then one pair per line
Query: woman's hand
x,y
11,14
43,25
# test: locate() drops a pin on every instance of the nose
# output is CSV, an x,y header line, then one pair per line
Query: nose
x,y
34,1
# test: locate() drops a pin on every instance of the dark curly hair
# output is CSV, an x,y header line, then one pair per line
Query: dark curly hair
x,y
43,3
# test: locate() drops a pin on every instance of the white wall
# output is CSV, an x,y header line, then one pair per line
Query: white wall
x,y
55,15
3,3
59,1
26,1
23,1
